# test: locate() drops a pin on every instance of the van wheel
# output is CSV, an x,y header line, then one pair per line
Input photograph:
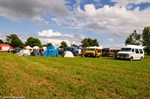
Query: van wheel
x,y
131,59
141,58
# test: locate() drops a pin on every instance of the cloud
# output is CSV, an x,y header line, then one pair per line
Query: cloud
x,y
56,37
2,37
112,20
110,39
33,9
117,20
49,33
126,2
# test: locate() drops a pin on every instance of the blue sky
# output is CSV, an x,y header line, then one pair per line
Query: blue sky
x,y
108,21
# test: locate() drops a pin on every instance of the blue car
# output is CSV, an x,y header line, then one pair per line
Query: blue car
x,y
72,49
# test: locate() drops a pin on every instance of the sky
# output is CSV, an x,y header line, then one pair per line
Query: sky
x,y
108,21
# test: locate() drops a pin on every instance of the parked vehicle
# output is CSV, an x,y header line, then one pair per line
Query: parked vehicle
x,y
14,50
131,52
110,52
74,50
93,52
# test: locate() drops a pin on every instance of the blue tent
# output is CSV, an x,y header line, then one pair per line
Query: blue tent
x,y
51,51
35,52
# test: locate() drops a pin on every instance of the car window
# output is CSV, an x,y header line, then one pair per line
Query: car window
x,y
137,51
141,51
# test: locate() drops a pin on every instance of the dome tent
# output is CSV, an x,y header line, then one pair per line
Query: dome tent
x,y
68,54
51,51
35,47
35,52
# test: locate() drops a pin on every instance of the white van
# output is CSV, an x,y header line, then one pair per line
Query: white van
x,y
131,52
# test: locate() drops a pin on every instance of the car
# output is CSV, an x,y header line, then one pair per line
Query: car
x,y
93,51
14,50
110,52
131,52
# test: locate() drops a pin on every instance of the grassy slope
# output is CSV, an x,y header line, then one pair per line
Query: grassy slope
x,y
69,78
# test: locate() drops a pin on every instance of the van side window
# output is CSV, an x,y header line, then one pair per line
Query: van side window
x,y
132,50
141,51
137,51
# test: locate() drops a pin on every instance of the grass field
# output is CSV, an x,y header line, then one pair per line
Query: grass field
x,y
73,78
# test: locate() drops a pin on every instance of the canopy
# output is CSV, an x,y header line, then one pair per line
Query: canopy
x,y
51,51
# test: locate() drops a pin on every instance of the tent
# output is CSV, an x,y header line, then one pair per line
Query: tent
x,y
24,52
51,51
35,52
35,47
5,47
28,48
68,54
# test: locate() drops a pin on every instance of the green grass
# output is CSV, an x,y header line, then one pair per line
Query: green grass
x,y
73,78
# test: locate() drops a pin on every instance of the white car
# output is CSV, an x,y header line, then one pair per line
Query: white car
x,y
131,52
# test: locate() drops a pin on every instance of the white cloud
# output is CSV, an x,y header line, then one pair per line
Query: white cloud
x,y
110,39
40,21
49,33
113,20
118,20
33,9
55,42
125,2
56,37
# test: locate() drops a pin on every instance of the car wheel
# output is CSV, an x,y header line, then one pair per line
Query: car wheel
x,y
141,58
131,59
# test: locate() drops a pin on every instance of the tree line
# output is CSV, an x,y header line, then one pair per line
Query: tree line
x,y
133,39
15,41
140,39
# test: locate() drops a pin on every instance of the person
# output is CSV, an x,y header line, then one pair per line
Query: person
x,y
96,52
82,52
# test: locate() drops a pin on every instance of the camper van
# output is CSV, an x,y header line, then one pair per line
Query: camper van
x,y
93,52
110,52
131,52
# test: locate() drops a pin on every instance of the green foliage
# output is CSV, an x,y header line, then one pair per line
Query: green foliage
x,y
48,44
134,39
1,41
89,42
63,44
146,39
14,41
73,45
33,42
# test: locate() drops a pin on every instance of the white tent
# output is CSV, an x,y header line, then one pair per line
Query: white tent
x,y
35,47
44,48
24,52
68,54
28,47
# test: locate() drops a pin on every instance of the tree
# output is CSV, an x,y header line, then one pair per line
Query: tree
x,y
73,45
48,44
33,42
14,41
89,42
1,41
63,44
146,39
134,39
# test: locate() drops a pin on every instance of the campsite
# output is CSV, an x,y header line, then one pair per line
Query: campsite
x,y
69,78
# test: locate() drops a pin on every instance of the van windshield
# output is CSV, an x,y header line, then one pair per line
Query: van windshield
x,y
125,49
